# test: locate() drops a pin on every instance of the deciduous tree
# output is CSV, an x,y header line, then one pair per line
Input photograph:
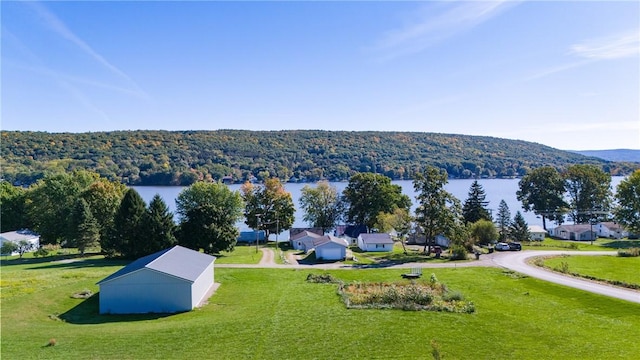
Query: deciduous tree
x,y
483,231
13,214
627,209
367,195
208,214
542,191
438,211
268,207
589,190
51,201
322,205
400,221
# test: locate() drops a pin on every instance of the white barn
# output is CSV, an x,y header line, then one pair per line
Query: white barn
x,y
172,280
330,248
375,242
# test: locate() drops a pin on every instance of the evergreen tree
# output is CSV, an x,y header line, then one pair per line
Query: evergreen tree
x,y
503,220
475,207
86,229
158,227
127,237
520,228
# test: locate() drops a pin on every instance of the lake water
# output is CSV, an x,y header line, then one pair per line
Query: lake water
x,y
495,190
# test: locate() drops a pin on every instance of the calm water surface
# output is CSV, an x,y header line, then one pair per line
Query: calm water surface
x,y
495,190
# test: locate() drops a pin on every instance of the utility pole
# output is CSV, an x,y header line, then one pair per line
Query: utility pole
x,y
257,231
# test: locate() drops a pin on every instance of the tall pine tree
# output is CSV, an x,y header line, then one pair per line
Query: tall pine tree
x,y
520,228
127,234
158,227
503,220
85,228
475,207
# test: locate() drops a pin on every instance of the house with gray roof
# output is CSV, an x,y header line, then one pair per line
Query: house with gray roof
x,y
329,247
375,242
31,239
172,280
304,240
581,232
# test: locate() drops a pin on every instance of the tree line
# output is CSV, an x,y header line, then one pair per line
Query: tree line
x,y
84,210
184,157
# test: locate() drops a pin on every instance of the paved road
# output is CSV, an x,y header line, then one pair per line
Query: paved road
x,y
517,261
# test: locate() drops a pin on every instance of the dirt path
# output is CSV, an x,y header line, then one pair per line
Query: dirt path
x,y
268,258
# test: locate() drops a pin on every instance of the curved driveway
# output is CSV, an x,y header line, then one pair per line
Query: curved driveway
x,y
518,262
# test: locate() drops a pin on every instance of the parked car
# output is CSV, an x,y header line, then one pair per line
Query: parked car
x,y
514,246
501,246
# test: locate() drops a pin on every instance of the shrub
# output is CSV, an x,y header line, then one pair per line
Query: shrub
x,y
322,279
631,252
458,252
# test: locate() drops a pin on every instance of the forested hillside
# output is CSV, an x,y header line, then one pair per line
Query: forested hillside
x,y
182,157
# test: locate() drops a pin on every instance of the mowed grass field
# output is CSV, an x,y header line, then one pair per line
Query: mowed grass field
x,y
626,269
276,314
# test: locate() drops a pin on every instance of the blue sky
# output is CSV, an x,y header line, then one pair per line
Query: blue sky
x,y
563,74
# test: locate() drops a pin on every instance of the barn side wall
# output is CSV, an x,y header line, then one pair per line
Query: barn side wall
x,y
145,291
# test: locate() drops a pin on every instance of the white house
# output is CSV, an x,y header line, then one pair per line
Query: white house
x,y
32,239
330,248
375,242
574,232
537,232
303,240
172,280
611,230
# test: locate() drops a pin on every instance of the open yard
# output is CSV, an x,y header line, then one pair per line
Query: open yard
x,y
611,268
276,314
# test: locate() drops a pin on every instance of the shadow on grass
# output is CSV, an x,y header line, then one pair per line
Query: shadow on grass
x,y
41,260
622,244
77,263
88,312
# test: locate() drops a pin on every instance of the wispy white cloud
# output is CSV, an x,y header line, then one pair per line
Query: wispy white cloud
x,y
435,24
617,46
60,28
612,47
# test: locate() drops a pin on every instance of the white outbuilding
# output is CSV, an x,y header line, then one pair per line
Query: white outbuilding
x,y
330,248
172,280
375,242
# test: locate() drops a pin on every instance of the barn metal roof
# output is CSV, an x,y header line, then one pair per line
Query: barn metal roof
x,y
177,261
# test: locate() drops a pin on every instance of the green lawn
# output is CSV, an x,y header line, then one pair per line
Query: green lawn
x,y
598,245
276,314
241,254
611,268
